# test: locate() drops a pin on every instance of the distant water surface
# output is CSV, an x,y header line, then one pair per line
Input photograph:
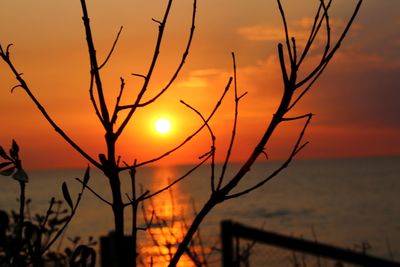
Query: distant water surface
x,y
345,202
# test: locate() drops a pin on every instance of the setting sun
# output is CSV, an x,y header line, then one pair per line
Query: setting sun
x,y
163,126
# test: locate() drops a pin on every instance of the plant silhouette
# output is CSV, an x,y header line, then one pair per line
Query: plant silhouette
x,y
25,240
114,120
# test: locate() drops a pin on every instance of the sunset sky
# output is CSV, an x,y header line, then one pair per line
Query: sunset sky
x,y
356,101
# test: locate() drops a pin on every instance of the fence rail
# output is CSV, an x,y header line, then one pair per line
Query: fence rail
x,y
232,232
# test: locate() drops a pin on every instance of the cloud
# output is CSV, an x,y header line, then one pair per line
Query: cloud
x,y
261,33
193,82
206,72
202,78
300,29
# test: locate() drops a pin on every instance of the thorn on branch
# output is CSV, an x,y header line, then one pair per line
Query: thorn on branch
x,y
241,96
300,148
142,196
139,75
265,154
15,87
294,51
8,50
157,21
208,153
298,117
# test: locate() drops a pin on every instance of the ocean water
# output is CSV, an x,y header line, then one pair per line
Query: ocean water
x,y
343,202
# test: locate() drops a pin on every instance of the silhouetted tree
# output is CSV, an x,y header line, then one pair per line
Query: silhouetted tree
x,y
114,121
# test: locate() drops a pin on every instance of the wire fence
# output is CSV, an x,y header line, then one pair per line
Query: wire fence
x,y
244,246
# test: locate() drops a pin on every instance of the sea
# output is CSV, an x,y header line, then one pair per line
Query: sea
x,y
351,203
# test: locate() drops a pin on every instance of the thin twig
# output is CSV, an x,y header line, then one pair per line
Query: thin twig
x,y
94,192
24,85
121,90
282,64
286,31
177,180
213,147
334,48
182,62
314,29
234,127
297,147
297,118
61,230
93,100
154,60
49,211
112,49
148,225
94,65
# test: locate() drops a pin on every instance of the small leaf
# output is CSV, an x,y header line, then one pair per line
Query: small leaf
x,y
14,150
86,176
8,171
5,164
103,159
66,195
21,175
3,153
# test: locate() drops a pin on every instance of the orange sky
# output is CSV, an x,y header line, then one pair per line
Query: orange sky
x,y
355,101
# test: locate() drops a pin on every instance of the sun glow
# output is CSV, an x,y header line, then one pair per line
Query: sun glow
x,y
163,126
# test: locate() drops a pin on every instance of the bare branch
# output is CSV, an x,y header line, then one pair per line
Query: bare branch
x,y
25,86
121,90
297,147
135,201
328,28
112,49
289,88
289,49
213,147
7,52
334,49
156,21
177,180
93,100
93,64
185,54
314,30
66,223
305,90
49,211
297,118
139,75
294,51
234,127
94,192
15,87
148,226
282,64
161,29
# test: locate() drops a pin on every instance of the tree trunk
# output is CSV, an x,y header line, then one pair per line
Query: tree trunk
x,y
123,256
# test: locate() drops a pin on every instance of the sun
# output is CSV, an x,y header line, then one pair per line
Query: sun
x,y
163,126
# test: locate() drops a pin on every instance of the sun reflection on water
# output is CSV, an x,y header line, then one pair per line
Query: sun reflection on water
x,y
166,216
